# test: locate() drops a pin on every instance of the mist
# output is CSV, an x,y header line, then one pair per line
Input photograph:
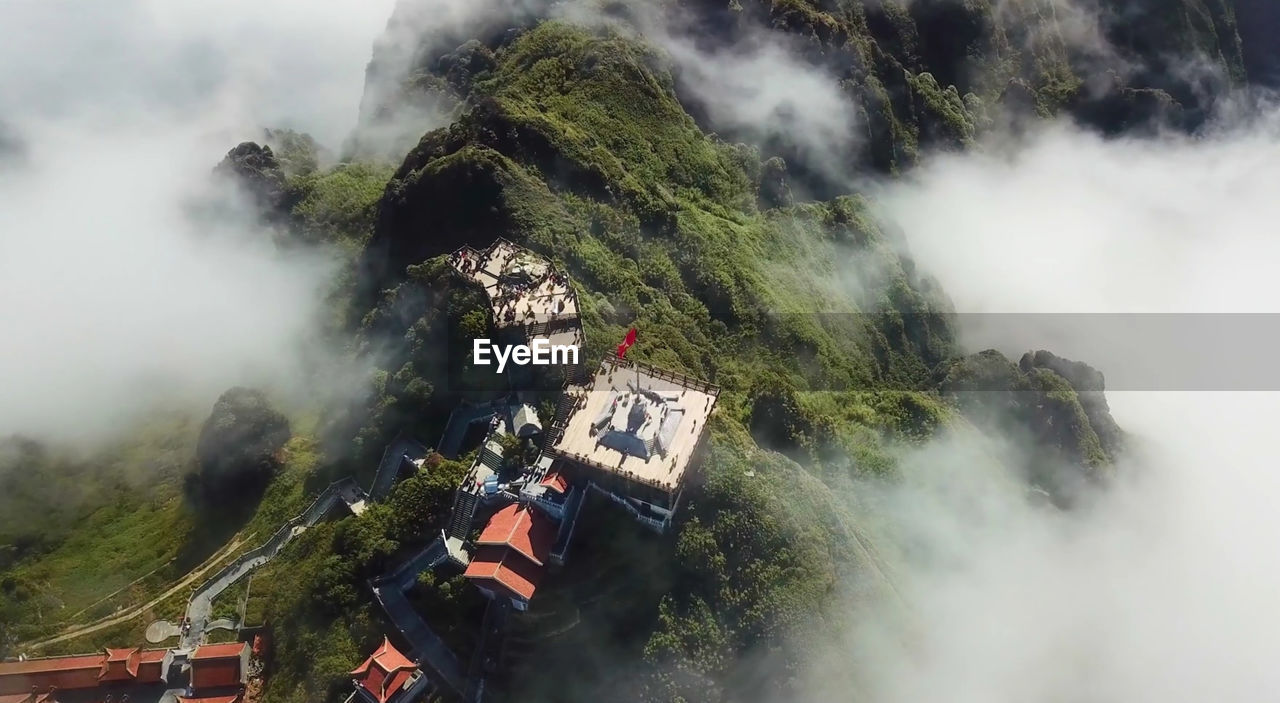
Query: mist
x,y
118,300
1161,587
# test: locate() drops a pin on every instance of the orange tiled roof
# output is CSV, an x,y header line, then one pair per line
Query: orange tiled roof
x,y
384,672
63,673
507,568
556,482
219,651
216,665
523,529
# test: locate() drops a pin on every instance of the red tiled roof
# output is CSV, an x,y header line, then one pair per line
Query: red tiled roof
x,y
384,672
215,673
215,665
556,482
523,529
219,651
150,665
82,671
63,673
506,568
119,665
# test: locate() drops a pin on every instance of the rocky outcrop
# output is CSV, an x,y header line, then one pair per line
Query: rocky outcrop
x,y
775,188
254,170
1090,387
1057,404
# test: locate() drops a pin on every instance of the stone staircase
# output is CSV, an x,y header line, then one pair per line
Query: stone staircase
x,y
464,509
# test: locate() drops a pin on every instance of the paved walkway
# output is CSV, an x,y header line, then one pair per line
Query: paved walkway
x,y
399,449
460,420
200,607
425,645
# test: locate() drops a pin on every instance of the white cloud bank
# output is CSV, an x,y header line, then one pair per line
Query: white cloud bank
x,y
1163,590
114,299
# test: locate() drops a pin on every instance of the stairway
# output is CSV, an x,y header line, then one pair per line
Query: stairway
x,y
464,509
563,406
550,437
490,458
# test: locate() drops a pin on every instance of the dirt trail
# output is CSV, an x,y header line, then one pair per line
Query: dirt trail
x,y
185,582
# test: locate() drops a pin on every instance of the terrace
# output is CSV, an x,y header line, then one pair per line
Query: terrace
x,y
523,288
635,421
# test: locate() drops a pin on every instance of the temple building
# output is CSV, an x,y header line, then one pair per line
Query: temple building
x,y
387,676
511,553
111,670
632,431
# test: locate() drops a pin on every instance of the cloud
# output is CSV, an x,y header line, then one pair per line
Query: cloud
x,y
748,83
1160,588
397,108
759,90
117,300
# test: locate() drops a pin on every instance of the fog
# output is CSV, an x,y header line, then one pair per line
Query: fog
x,y
1162,587
116,301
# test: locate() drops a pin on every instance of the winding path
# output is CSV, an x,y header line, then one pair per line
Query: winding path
x,y
425,645
200,606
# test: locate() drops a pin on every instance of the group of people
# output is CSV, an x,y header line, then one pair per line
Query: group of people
x,y
510,293
464,262
507,301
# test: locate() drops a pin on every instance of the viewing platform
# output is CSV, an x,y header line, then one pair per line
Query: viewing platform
x,y
524,289
634,429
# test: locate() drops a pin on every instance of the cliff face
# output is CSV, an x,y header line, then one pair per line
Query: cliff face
x,y
1259,22
914,74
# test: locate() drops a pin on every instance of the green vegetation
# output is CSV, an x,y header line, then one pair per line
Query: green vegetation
x,y
577,146
339,205
314,594
831,350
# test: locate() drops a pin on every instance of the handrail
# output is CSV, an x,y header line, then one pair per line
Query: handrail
x,y
328,495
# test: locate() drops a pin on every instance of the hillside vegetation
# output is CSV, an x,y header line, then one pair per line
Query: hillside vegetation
x,y
738,261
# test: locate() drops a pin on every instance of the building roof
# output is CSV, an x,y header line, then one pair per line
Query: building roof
x,y
217,665
524,421
219,651
507,569
120,665
215,673
83,671
522,529
556,482
233,698
62,673
385,672
636,421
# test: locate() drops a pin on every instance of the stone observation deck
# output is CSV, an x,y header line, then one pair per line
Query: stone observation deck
x,y
635,421
523,288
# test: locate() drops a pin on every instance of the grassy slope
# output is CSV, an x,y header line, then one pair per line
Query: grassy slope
x,y
126,552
